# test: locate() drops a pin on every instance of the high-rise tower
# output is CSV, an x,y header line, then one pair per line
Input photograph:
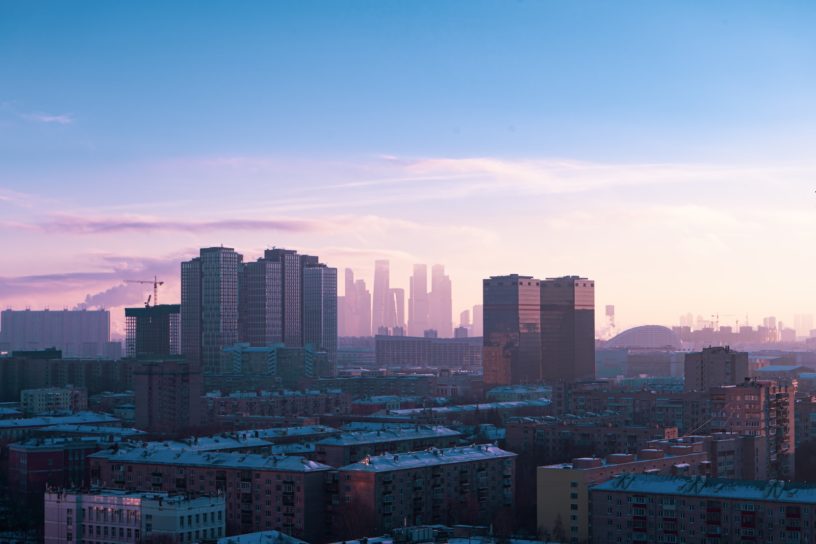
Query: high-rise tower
x,y
567,329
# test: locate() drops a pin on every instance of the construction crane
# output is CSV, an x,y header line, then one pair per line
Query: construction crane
x,y
155,281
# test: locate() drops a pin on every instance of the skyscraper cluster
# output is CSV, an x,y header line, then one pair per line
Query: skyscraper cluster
x,y
283,297
354,307
538,330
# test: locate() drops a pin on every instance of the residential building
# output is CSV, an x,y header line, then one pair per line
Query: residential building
x,y
38,463
153,331
563,489
473,485
276,403
118,516
77,333
700,510
425,352
284,493
209,305
168,396
261,303
320,310
713,367
51,400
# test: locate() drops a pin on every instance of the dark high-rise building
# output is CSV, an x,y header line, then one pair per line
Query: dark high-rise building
x,y
209,305
168,396
567,329
418,301
714,367
512,330
292,295
320,309
153,331
261,303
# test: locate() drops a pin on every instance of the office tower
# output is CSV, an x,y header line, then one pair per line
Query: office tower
x,y
209,305
320,309
291,297
363,309
380,313
397,299
478,321
418,301
261,303
345,306
441,305
512,330
803,324
567,329
153,331
714,367
78,333
464,319
168,396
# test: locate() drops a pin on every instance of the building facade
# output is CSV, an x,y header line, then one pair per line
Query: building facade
x,y
153,331
168,396
713,367
567,329
77,333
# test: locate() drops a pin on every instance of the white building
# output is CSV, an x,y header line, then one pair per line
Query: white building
x,y
51,400
118,516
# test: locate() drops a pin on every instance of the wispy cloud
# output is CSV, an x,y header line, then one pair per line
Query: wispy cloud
x,y
48,118
82,225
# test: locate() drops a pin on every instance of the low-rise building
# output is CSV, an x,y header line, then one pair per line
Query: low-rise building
x,y
18,429
118,516
563,489
700,510
285,493
37,463
455,485
53,400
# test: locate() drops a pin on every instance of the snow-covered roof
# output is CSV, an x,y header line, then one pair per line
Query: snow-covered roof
x,y
148,456
262,537
394,434
463,408
715,488
430,457
73,419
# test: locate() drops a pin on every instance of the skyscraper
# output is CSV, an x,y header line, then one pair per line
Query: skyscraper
x,y
209,305
320,309
478,328
261,303
441,304
354,308
397,301
382,295
568,329
291,295
418,301
512,330
464,318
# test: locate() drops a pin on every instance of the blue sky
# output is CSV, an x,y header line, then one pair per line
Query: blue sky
x,y
612,139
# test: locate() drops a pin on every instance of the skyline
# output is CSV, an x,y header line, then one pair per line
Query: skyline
x,y
478,139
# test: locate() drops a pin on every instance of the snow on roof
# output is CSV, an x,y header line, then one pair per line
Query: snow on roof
x,y
73,419
433,456
92,429
270,394
150,456
715,488
263,537
508,405
395,434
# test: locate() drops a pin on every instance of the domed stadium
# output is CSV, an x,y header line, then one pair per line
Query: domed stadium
x,y
646,337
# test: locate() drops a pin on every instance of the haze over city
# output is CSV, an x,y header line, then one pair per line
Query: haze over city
x,y
663,152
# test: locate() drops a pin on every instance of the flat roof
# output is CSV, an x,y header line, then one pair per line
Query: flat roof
x,y
148,456
42,421
394,434
430,457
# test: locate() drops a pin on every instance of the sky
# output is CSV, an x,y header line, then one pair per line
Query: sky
x,y
663,149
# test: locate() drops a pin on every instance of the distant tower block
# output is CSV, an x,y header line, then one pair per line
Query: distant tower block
x,y
610,315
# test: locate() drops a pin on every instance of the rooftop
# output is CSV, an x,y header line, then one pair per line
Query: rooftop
x,y
392,434
783,368
73,419
430,457
270,394
715,488
460,408
150,456
65,428
122,494
263,537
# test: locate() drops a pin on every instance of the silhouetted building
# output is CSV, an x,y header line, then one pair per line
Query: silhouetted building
x,y
714,367
440,302
168,396
261,303
512,330
478,320
567,329
77,333
418,303
382,308
209,305
354,308
320,309
153,331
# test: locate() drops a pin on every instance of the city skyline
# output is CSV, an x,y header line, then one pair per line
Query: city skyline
x,y
695,148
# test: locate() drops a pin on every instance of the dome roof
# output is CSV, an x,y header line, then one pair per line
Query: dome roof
x,y
646,336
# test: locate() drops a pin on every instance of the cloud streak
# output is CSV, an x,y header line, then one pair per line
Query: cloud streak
x,y
49,119
82,225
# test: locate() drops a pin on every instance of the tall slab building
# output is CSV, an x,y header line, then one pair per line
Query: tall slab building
x,y
512,330
209,305
320,309
418,309
567,329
